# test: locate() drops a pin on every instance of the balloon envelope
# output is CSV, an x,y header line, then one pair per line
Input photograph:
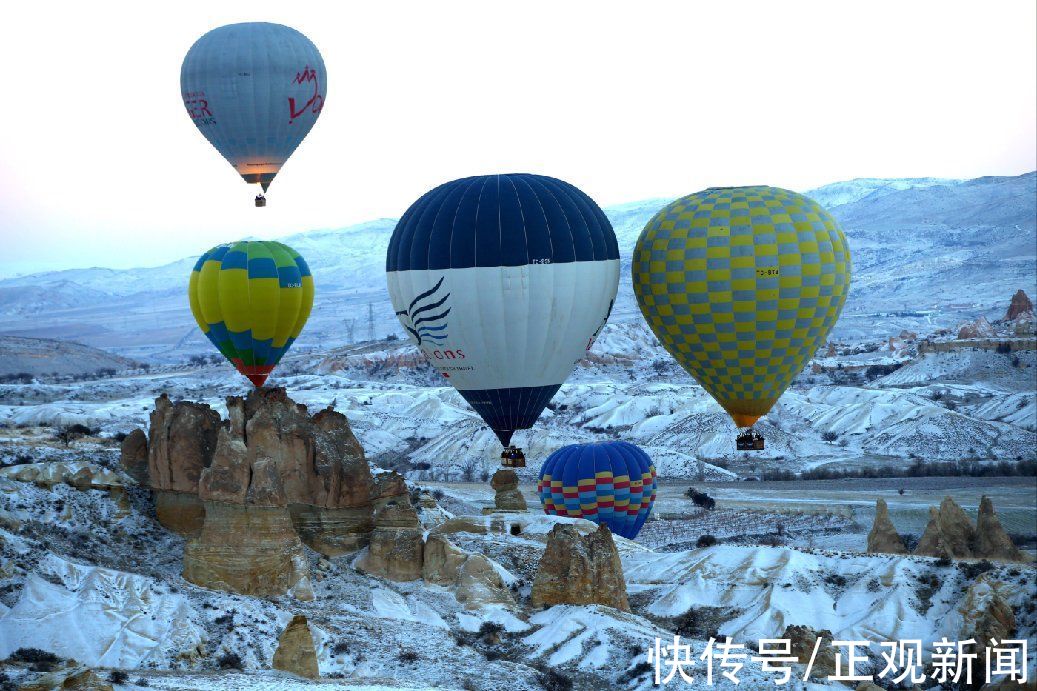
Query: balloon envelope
x,y
254,90
741,285
609,482
251,299
503,281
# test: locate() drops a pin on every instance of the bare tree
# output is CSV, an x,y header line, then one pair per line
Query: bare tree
x,y
468,470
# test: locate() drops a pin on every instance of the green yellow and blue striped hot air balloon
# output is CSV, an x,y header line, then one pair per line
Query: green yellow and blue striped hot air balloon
x,y
611,483
251,299
741,285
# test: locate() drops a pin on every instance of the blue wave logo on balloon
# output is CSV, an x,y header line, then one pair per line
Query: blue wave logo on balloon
x,y
425,317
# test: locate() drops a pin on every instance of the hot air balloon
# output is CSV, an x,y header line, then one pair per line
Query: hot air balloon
x,y
610,482
254,91
251,299
503,282
741,285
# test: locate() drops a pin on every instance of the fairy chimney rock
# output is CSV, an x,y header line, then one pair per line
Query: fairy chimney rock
x,y
992,542
1019,307
883,538
507,496
580,570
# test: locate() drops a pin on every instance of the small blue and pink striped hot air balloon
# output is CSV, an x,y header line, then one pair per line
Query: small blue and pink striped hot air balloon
x,y
610,482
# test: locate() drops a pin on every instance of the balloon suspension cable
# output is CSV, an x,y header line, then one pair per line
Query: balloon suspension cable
x,y
512,457
749,440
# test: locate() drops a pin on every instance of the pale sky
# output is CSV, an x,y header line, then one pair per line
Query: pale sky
x,y
101,166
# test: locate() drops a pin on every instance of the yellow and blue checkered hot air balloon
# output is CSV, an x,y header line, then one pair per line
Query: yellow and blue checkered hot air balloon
x,y
610,482
741,285
251,299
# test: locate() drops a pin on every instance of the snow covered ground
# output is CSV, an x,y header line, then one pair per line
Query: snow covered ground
x,y
938,406
90,577
85,578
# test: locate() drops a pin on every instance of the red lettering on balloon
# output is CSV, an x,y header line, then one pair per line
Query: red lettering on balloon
x,y
197,108
316,100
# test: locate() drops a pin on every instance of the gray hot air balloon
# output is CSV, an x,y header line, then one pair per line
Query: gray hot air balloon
x,y
254,90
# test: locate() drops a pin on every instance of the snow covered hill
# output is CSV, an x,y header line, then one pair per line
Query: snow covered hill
x,y
41,356
927,252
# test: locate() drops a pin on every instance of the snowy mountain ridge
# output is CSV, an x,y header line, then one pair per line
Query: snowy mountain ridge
x,y
927,253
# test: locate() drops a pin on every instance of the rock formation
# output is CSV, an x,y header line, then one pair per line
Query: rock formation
x,y
992,542
802,640
986,617
134,456
441,561
1019,307
79,679
327,483
397,544
82,476
295,651
949,533
580,570
505,483
248,549
978,328
247,543
430,512
77,474
479,583
181,441
883,538
85,680
278,475
388,487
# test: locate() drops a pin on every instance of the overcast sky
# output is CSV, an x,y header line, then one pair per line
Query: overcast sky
x,y
100,165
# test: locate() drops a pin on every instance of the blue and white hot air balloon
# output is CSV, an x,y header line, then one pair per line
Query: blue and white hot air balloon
x,y
503,282
254,90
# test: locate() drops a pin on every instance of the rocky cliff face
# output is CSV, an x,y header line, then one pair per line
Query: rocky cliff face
x,y
280,477
248,549
252,489
985,617
181,441
397,544
580,570
133,456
